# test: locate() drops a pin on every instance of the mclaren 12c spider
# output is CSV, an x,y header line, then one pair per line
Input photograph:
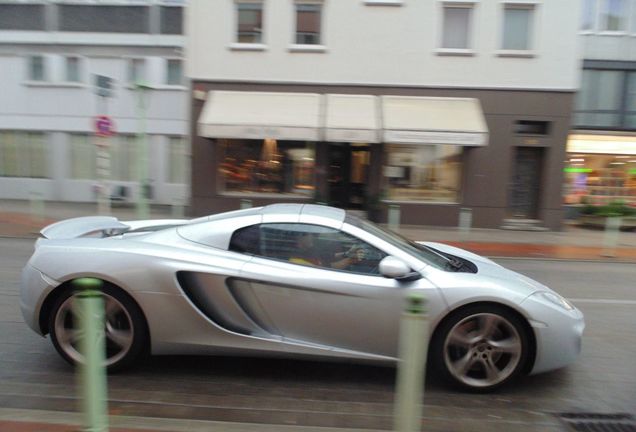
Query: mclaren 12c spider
x,y
293,280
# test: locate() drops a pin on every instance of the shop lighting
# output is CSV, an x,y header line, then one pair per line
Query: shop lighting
x,y
578,170
622,157
577,160
632,161
617,163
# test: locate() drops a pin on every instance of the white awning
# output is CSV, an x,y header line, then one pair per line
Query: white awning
x,y
260,115
352,118
432,120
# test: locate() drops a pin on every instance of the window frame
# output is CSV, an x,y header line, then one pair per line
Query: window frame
x,y
46,78
470,32
237,45
322,267
595,17
80,69
531,37
166,73
602,19
321,46
129,63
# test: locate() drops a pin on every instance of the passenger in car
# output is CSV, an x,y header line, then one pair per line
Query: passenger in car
x,y
306,253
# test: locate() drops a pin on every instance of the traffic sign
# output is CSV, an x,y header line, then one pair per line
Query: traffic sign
x,y
104,126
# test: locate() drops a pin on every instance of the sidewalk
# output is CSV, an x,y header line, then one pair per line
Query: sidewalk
x,y
574,243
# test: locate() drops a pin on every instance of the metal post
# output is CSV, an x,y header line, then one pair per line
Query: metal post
x,y
394,217
90,311
142,152
413,346
610,238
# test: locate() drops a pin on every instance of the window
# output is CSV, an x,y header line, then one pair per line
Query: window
x,y
267,166
598,102
614,15
23,154
174,72
532,127
517,27
103,18
22,17
308,23
72,71
456,30
588,15
123,157
178,160
308,245
423,173
136,70
37,68
83,156
630,115
171,20
249,22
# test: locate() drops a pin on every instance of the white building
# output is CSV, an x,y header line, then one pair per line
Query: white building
x,y
50,51
601,162
488,85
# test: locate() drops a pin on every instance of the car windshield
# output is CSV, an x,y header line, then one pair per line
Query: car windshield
x,y
426,254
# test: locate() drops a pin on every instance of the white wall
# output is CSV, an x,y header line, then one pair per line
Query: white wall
x,y
395,45
598,46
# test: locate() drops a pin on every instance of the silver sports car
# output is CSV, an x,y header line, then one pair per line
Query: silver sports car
x,y
293,279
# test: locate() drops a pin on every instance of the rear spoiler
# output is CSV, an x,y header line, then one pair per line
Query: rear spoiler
x,y
102,226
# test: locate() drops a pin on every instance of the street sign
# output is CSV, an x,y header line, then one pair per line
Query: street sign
x,y
103,85
104,126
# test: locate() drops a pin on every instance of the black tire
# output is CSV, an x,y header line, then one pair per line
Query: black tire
x,y
481,347
126,319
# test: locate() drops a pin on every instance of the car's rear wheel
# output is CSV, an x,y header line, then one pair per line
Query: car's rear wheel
x,y
124,328
481,347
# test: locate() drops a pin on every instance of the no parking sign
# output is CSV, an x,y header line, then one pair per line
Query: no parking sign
x,y
104,126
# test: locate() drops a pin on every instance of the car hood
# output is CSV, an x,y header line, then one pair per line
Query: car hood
x,y
488,273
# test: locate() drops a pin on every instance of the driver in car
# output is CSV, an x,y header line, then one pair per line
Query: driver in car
x,y
305,253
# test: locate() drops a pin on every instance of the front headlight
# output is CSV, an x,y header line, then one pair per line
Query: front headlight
x,y
557,300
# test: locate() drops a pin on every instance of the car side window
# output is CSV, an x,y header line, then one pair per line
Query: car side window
x,y
318,246
246,240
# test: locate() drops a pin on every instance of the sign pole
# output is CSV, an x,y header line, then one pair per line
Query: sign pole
x,y
103,129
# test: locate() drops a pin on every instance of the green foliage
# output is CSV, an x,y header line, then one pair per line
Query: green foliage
x,y
616,208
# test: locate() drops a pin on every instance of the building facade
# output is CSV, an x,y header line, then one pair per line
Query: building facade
x,y
601,162
50,52
421,108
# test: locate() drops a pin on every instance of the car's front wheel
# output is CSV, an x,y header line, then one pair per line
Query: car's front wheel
x,y
481,347
124,328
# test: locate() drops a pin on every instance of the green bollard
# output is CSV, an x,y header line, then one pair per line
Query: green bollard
x,y
90,310
413,346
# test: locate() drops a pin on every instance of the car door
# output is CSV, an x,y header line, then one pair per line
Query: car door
x,y
308,298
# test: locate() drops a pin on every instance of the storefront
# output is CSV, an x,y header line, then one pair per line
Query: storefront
x,y
600,169
428,152
350,151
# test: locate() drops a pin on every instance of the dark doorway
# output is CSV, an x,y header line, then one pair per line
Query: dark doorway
x,y
526,182
348,175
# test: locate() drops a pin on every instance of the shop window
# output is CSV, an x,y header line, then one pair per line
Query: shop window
x,y
83,156
600,179
517,27
178,160
423,173
249,22
267,166
308,23
23,154
456,26
531,127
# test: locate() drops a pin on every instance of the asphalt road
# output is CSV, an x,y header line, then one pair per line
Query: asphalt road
x,y
32,376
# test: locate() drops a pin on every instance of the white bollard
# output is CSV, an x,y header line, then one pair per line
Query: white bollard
x,y
245,204
413,347
394,217
177,208
36,202
610,238
465,222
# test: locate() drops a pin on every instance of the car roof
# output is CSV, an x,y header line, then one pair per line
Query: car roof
x,y
281,210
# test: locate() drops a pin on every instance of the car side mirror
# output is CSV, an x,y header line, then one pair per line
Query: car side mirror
x,y
394,268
